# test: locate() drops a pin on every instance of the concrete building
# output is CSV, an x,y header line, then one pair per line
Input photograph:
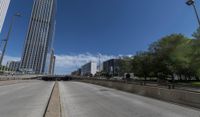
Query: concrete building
x,y
89,69
4,4
112,66
100,67
52,63
76,73
36,57
13,65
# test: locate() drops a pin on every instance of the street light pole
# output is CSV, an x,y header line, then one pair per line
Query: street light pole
x,y
192,3
8,35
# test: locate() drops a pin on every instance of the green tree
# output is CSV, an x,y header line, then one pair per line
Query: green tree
x,y
142,64
170,56
196,34
125,66
162,50
195,57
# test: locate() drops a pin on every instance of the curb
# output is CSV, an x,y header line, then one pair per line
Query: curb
x,y
45,111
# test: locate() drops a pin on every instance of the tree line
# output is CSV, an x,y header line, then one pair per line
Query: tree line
x,y
172,56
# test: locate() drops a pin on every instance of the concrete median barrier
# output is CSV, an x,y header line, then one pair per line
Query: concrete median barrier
x,y
18,77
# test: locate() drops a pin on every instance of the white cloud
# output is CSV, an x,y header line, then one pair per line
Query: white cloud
x,y
68,63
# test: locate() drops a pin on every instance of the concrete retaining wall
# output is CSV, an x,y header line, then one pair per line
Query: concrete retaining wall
x,y
172,95
18,77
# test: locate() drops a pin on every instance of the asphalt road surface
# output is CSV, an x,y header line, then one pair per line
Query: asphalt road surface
x,y
87,100
28,99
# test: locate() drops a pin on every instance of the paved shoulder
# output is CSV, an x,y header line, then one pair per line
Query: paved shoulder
x,y
87,100
24,99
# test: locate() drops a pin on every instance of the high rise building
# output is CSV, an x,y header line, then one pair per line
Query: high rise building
x,y
39,41
4,4
52,63
13,65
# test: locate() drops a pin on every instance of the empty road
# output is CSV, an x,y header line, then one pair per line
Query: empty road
x,y
87,100
28,99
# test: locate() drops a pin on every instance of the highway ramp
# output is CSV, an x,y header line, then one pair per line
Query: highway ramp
x,y
87,100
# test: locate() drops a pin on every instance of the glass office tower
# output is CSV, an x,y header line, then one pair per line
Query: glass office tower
x,y
4,4
38,44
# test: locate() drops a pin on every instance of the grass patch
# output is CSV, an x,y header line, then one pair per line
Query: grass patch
x,y
196,84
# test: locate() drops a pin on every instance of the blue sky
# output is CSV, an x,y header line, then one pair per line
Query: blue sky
x,y
110,27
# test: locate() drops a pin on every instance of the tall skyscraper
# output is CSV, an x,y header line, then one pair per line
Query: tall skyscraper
x,y
4,4
36,57
52,63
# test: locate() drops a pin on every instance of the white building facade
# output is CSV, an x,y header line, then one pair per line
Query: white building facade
x,y
89,69
4,4
52,63
39,41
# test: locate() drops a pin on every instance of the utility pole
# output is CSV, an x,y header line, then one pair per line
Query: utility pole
x,y
7,37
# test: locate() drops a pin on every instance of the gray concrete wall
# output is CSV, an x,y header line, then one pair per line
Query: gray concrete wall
x,y
171,95
18,77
